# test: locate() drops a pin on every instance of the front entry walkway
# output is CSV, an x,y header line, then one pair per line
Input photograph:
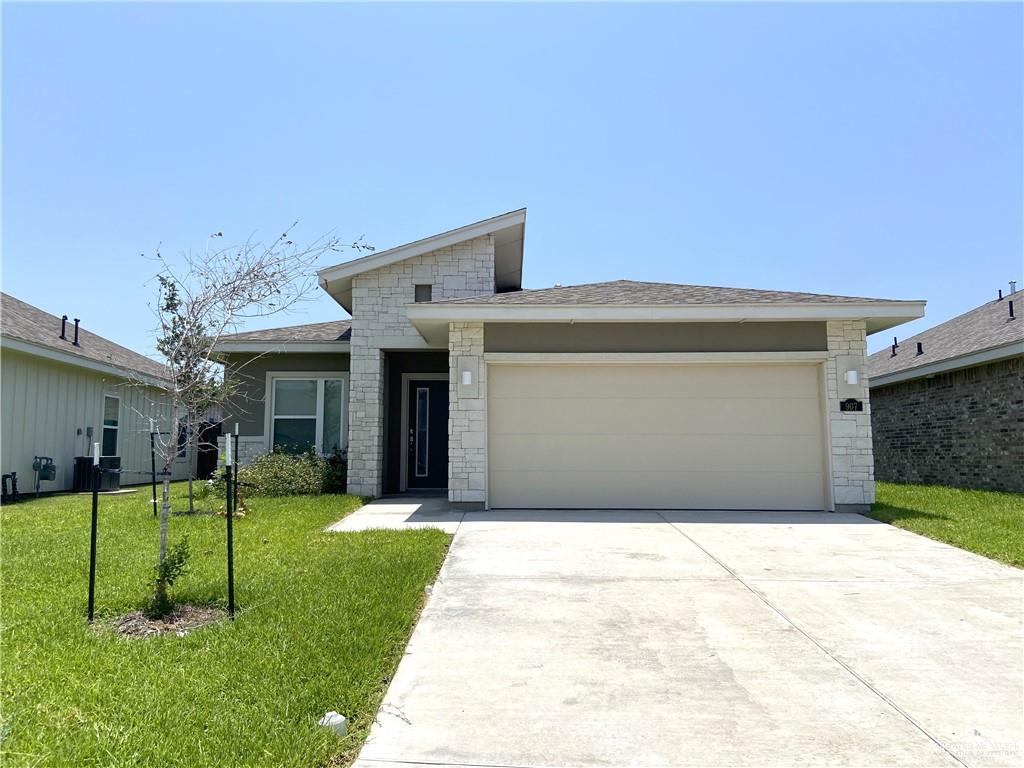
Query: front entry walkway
x,y
706,639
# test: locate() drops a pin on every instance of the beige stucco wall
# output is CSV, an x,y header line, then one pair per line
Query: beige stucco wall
x,y
379,322
655,337
44,403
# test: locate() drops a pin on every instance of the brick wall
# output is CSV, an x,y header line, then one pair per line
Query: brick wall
x,y
962,428
850,447
379,322
467,413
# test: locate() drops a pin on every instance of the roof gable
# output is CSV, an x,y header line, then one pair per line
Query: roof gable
x,y
508,231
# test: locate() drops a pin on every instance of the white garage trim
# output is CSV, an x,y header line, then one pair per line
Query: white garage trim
x,y
649,358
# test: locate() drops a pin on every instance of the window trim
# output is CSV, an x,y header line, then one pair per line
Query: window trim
x,y
104,427
319,376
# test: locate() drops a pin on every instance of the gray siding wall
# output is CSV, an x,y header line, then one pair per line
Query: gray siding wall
x,y
655,337
250,371
44,403
963,428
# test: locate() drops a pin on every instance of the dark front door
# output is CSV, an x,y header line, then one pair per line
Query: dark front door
x,y
427,438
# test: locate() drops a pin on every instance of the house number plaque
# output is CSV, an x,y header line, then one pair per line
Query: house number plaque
x,y
851,404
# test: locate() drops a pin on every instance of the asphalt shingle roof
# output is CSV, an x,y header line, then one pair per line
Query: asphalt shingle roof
x,y
982,328
335,330
639,293
22,321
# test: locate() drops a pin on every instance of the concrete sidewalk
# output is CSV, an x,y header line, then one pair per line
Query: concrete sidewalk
x,y
706,639
403,512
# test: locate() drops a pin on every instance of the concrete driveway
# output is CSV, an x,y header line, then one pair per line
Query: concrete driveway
x,y
707,639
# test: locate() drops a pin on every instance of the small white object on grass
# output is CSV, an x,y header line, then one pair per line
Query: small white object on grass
x,y
334,721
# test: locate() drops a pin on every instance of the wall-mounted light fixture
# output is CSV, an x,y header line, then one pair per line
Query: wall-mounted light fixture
x,y
467,378
852,376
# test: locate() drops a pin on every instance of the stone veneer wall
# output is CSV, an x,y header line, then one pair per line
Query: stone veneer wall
x,y
379,322
467,414
962,428
850,449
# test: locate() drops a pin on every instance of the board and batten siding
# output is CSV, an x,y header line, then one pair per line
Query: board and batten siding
x,y
43,404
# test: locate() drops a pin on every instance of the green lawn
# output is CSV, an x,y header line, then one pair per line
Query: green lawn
x,y
323,621
986,522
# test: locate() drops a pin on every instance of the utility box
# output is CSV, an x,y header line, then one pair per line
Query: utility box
x,y
110,480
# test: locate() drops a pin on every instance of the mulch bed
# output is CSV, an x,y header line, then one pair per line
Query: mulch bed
x,y
183,620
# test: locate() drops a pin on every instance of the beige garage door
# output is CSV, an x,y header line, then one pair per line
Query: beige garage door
x,y
655,436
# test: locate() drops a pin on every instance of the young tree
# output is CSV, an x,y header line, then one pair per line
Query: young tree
x,y
203,296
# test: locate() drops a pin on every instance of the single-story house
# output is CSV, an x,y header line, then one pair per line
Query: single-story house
x,y
450,376
948,403
64,388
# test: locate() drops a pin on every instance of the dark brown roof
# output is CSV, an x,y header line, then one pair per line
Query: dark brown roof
x,y
335,330
982,328
24,322
638,293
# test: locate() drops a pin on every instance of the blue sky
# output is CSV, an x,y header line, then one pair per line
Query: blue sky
x,y
866,149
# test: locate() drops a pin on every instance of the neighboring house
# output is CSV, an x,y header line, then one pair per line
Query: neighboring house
x,y
614,395
948,403
61,392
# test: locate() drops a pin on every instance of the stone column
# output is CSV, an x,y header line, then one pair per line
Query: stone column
x,y
467,414
365,420
851,453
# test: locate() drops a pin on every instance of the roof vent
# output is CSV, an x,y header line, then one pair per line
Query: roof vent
x,y
558,285
75,342
1013,287
1011,309
920,348
63,326
893,351
895,343
1000,295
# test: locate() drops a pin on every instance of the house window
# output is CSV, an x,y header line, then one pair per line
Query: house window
x,y
111,424
308,414
423,293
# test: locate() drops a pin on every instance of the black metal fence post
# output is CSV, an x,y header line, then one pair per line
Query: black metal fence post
x,y
231,550
96,472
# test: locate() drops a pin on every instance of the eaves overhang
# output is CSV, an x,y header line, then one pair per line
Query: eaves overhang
x,y
282,346
48,353
432,320
981,357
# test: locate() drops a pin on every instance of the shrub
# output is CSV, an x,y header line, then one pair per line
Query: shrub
x,y
167,572
285,474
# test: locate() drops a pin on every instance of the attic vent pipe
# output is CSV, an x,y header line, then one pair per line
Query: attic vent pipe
x,y
894,344
75,342
1000,295
1013,287
1011,310
893,351
920,348
63,326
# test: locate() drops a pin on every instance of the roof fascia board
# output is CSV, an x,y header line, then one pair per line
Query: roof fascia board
x,y
902,311
951,364
295,347
38,350
419,247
